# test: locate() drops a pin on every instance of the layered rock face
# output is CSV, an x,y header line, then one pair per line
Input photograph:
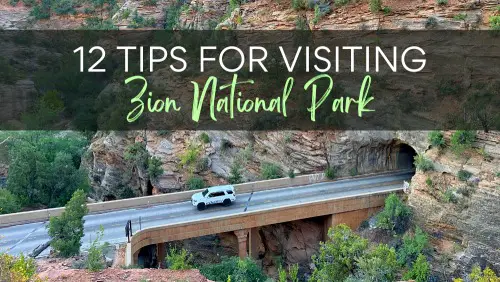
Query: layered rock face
x,y
466,229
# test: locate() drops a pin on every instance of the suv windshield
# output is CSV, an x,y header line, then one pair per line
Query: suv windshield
x,y
204,193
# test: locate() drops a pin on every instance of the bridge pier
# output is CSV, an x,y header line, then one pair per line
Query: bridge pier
x,y
242,236
352,219
160,254
253,243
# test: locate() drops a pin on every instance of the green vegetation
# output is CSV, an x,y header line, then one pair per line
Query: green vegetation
x,y
239,270
17,269
138,156
412,247
447,87
422,163
95,259
293,272
330,172
301,23
487,275
460,17
387,10
320,11
202,164
195,183
281,275
235,176
44,167
291,173
436,139
375,6
178,259
420,270
449,196
205,138
378,265
353,171
66,230
442,2
461,140
138,21
431,23
395,216
154,167
463,175
299,4
341,2
495,22
428,182
150,2
8,202
189,158
270,171
337,257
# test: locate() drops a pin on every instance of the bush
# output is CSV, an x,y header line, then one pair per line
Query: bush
x,y
337,256
42,10
428,182
487,275
66,230
442,2
462,140
395,216
422,163
195,183
17,269
154,167
495,22
463,175
431,22
8,202
270,171
178,260
412,247
190,156
341,2
281,275
420,270
225,144
380,264
375,6
449,196
202,164
205,138
353,171
63,7
293,271
436,139
235,176
330,172
95,259
299,4
291,173
301,23
239,270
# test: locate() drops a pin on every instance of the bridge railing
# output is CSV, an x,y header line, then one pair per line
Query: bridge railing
x,y
147,201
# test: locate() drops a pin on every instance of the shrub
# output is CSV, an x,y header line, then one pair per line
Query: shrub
x,y
202,164
428,182
8,202
353,171
375,5
63,7
239,270
281,275
95,259
291,173
431,22
293,271
150,2
380,264
235,176
320,11
154,167
387,10
395,216
487,275
341,2
460,17
462,140
270,171
301,23
195,183
17,269
190,156
13,2
412,247
465,191
463,175
330,172
66,230
436,139
178,260
420,270
495,22
137,154
337,256
42,10
205,138
422,163
299,4
225,144
442,2
449,196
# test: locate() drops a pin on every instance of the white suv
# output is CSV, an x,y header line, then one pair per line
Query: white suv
x,y
214,195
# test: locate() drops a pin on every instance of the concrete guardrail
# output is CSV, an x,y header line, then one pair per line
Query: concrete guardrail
x,y
147,201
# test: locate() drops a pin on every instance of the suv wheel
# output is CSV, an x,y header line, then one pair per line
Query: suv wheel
x,y
226,202
201,206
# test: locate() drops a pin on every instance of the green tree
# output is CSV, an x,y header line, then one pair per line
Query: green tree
x,y
337,257
194,183
66,230
412,247
420,270
462,140
378,265
8,202
154,167
395,216
44,167
330,172
17,269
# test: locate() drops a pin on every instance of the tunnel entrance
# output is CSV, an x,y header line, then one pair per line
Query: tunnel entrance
x,y
147,257
149,190
402,155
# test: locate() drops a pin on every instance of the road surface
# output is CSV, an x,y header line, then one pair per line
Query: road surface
x,y
24,238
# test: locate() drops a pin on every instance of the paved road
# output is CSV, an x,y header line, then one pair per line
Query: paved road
x,y
24,238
